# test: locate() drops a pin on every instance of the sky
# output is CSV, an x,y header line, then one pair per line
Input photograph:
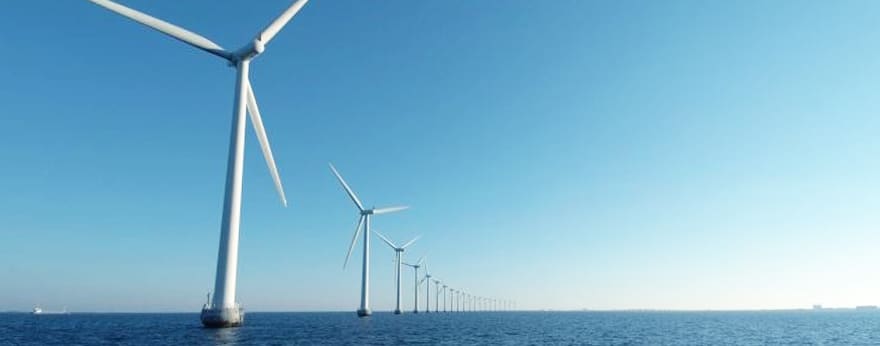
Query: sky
x,y
563,154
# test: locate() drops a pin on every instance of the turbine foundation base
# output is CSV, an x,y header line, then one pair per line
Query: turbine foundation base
x,y
364,312
397,312
222,318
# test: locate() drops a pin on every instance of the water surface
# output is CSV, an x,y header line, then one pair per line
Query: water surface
x,y
486,328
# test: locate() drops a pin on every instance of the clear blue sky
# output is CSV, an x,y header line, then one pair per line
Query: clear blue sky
x,y
566,154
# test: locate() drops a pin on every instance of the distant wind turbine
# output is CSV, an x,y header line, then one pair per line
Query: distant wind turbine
x,y
444,297
461,298
398,254
436,295
364,220
223,311
451,299
415,268
427,281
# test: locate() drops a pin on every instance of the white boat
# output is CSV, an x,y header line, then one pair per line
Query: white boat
x,y
38,311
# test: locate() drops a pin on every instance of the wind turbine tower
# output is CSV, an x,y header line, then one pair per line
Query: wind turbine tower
x,y
363,220
461,299
436,295
398,254
444,297
427,281
415,268
223,310
452,299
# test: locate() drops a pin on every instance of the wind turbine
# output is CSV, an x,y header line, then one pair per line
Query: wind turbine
x,y
436,295
444,297
364,220
415,268
451,299
223,311
398,254
427,280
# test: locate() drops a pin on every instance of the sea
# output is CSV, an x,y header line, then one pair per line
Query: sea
x,y
803,327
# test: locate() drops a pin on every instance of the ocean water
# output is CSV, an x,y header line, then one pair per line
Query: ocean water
x,y
852,327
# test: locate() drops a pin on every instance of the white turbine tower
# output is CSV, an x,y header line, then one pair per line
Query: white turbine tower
x,y
398,257
223,311
461,296
415,268
444,297
364,220
451,299
427,281
436,295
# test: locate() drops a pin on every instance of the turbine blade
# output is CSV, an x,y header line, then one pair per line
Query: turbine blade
x,y
166,28
421,259
387,241
410,242
257,121
270,31
422,280
347,189
388,210
357,232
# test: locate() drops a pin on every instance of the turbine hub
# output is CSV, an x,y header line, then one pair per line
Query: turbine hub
x,y
251,50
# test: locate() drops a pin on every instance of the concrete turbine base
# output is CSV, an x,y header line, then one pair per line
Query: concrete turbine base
x,y
222,318
364,312
397,312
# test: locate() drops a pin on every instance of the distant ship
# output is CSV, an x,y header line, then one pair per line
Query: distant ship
x,y
38,311
866,307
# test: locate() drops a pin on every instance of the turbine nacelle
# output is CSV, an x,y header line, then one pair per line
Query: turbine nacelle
x,y
250,51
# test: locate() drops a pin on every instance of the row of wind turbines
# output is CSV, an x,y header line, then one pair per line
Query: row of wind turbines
x,y
223,310
459,299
